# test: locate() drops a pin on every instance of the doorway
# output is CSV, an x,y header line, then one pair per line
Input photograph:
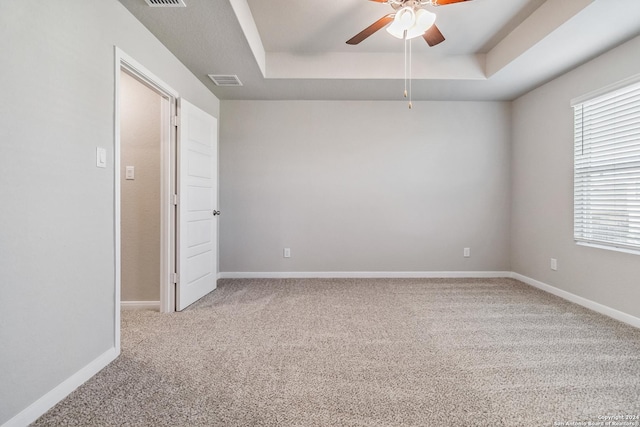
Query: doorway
x,y
140,228
162,255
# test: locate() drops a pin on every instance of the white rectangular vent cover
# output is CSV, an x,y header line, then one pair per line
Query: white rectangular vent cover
x,y
166,3
225,79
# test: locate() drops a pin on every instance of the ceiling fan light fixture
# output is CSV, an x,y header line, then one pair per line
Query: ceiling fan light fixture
x,y
405,19
424,21
414,22
395,31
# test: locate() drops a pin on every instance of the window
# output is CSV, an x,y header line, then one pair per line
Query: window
x,y
607,167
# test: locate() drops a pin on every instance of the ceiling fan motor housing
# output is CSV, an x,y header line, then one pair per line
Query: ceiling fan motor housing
x,y
415,4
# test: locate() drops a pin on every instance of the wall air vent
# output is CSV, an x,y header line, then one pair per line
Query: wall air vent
x,y
225,79
166,3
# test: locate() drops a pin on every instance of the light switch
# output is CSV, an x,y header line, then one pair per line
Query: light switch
x,y
101,157
130,172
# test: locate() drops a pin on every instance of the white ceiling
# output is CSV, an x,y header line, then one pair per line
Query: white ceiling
x,y
494,49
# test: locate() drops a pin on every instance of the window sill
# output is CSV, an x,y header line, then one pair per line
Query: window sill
x,y
609,248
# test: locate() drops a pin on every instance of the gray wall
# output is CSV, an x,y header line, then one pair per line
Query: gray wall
x,y
56,217
140,133
364,186
542,211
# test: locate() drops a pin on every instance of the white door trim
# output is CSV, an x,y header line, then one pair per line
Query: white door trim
x,y
124,62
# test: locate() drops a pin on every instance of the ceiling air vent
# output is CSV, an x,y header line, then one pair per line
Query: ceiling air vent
x,y
166,3
225,79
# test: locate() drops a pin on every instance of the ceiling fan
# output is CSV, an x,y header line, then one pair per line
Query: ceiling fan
x,y
409,20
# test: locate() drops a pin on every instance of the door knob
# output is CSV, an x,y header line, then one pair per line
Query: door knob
x,y
215,212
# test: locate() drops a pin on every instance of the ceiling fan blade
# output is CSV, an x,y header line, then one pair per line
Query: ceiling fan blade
x,y
380,23
445,2
433,36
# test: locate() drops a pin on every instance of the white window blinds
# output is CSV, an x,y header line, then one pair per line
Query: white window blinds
x,y
607,169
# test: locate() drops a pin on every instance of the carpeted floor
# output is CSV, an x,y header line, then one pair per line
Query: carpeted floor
x,y
366,352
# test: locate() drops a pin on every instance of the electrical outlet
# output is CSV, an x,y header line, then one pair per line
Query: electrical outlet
x,y
554,264
287,253
467,252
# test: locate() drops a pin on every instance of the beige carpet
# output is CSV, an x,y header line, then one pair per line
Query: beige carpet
x,y
365,352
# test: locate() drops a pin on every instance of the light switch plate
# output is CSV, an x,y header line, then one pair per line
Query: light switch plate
x,y
130,172
101,157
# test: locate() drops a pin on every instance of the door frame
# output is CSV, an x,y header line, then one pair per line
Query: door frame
x,y
126,63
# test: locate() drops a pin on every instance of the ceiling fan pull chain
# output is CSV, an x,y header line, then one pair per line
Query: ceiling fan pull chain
x,y
405,64
410,50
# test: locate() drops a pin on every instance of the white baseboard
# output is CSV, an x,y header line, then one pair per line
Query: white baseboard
x,y
592,305
49,400
361,274
140,305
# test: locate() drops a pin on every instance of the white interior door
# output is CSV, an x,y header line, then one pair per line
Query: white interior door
x,y
198,198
